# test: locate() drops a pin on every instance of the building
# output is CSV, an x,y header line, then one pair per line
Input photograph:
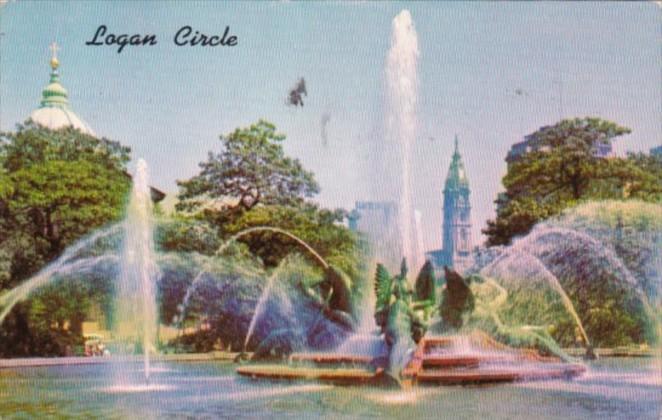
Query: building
x,y
532,143
55,112
456,235
656,151
378,222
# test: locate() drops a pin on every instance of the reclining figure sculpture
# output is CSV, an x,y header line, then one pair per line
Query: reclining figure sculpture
x,y
463,309
404,315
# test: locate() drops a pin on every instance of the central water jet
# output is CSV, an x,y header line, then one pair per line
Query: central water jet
x,y
402,93
136,313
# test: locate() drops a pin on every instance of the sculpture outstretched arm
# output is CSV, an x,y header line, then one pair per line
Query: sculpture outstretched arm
x,y
528,336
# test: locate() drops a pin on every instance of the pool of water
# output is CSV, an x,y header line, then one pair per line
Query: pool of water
x,y
612,388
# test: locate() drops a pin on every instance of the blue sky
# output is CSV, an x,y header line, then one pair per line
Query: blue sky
x,y
170,103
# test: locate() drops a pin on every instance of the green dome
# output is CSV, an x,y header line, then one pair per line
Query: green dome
x,y
54,93
54,111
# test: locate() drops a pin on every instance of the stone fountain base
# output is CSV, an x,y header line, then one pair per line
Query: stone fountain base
x,y
448,360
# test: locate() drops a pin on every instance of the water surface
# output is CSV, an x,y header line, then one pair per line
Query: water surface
x,y
613,388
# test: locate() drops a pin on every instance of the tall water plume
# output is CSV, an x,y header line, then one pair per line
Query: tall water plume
x,y
392,237
136,313
401,98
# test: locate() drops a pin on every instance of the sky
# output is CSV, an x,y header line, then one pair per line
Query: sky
x,y
170,104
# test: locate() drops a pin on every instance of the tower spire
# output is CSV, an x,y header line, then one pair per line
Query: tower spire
x,y
456,232
456,177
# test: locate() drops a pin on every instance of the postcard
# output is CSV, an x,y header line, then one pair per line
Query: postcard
x,y
330,210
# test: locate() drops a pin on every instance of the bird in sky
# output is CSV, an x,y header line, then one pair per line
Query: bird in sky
x,y
295,96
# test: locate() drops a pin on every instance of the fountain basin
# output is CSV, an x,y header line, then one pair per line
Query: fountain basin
x,y
486,362
330,358
488,375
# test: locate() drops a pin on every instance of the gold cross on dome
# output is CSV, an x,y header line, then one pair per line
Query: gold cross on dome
x,y
54,61
54,48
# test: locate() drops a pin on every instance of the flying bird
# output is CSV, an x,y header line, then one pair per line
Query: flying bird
x,y
294,98
518,92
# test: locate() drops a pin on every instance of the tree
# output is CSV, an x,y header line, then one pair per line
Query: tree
x,y
32,144
565,170
62,201
251,182
251,169
55,187
319,228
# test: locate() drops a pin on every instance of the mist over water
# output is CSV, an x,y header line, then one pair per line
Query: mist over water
x,y
71,261
260,307
519,266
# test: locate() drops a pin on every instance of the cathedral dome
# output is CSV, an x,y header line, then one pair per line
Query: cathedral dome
x,y
54,111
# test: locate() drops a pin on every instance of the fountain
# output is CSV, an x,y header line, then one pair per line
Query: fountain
x,y
318,258
573,262
259,308
407,356
333,300
181,316
529,267
401,88
402,93
375,356
69,261
136,313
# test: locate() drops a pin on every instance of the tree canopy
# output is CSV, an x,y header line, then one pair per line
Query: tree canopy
x,y
251,169
565,170
55,187
251,182
58,185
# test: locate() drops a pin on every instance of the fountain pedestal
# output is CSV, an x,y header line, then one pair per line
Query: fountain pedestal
x,y
460,360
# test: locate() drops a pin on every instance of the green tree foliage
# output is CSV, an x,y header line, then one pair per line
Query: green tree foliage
x,y
251,169
564,171
62,201
59,185
55,187
186,234
317,227
251,182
